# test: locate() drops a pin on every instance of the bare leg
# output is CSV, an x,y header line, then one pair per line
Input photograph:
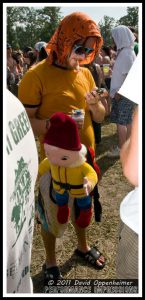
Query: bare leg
x,y
49,242
122,134
82,242
128,130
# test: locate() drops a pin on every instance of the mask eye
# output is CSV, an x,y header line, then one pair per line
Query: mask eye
x,y
64,158
80,49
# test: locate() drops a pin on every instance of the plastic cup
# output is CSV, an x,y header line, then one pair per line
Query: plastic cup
x,y
106,69
78,115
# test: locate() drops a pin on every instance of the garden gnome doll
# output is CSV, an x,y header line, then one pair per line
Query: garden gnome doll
x,y
71,174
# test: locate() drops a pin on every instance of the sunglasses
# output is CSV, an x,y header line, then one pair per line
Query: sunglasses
x,y
79,49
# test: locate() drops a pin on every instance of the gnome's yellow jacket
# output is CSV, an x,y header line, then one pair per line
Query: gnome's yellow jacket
x,y
72,176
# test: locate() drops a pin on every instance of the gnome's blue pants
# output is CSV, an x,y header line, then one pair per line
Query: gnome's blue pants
x,y
83,204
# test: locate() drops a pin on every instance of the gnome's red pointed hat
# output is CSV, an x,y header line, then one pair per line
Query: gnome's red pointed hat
x,y
63,133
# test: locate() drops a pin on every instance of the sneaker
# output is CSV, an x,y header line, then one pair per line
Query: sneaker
x,y
114,152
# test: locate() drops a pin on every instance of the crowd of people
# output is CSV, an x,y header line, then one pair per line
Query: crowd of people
x,y
73,71
18,62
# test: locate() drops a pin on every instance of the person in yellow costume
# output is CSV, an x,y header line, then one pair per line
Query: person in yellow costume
x,y
70,172
59,83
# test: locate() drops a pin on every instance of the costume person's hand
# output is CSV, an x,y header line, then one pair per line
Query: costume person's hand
x,y
92,97
87,186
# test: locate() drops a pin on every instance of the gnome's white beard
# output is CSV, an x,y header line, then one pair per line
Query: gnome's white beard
x,y
82,157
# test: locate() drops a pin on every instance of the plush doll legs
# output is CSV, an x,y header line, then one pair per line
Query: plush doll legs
x,y
85,211
63,209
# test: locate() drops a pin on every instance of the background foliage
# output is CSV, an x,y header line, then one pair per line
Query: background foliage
x,y
131,19
28,25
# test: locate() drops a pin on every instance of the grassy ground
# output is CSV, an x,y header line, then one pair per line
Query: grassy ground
x,y
112,188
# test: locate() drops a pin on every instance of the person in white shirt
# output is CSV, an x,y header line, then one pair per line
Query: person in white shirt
x,y
22,168
128,246
122,108
127,253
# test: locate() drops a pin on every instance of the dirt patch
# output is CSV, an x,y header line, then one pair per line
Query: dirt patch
x,y
112,188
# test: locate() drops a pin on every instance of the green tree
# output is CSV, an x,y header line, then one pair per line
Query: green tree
x,y
28,25
131,19
106,26
11,21
48,19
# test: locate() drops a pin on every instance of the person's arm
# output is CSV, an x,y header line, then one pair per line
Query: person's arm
x,y
129,153
95,106
39,126
98,112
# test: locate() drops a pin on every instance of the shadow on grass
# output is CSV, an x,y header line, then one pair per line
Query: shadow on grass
x,y
107,142
38,280
65,268
105,163
73,261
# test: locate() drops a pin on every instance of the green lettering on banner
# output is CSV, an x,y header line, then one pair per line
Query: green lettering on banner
x,y
19,128
25,125
25,120
25,271
13,133
9,146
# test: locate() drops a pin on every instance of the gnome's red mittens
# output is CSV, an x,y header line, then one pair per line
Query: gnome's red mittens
x,y
84,217
63,214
